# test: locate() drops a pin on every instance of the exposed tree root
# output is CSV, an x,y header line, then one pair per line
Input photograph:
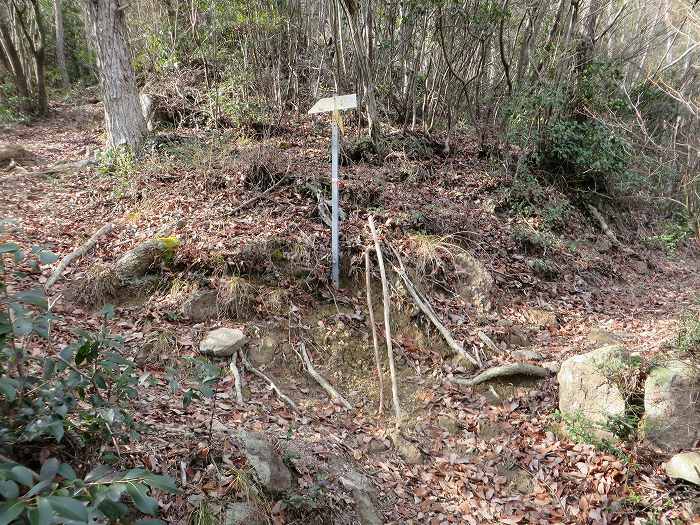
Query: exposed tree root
x,y
258,373
375,341
512,369
237,378
79,252
322,381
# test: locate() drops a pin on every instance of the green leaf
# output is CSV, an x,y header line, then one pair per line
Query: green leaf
x,y
99,472
42,514
66,471
38,488
113,510
34,296
9,489
11,510
68,508
49,469
22,475
165,483
9,247
142,500
8,387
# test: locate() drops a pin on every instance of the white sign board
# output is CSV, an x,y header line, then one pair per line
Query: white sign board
x,y
334,104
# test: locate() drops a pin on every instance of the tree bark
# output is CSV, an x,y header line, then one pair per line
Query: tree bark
x,y
124,120
12,57
60,45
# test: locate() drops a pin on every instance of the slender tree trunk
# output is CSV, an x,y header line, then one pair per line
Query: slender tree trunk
x,y
16,69
124,120
60,45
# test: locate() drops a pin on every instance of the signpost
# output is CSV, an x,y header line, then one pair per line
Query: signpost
x,y
334,104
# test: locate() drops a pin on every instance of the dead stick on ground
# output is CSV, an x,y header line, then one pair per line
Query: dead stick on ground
x,y
375,341
425,307
607,230
237,377
79,252
322,380
258,196
258,373
503,371
387,320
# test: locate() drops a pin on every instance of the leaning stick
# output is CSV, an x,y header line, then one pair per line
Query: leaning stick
x,y
374,333
79,252
237,376
425,307
279,393
322,380
504,371
387,320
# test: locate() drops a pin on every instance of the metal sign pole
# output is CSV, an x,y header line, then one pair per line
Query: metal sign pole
x,y
335,104
335,226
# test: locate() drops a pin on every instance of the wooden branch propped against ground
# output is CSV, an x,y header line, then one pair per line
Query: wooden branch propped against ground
x,y
427,309
276,389
332,392
79,252
512,369
610,234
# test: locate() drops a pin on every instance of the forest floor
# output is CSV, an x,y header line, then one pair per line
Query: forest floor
x,y
489,454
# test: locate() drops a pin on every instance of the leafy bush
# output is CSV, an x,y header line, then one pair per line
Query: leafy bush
x,y
82,391
585,154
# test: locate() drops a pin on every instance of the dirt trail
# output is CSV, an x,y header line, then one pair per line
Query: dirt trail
x,y
464,457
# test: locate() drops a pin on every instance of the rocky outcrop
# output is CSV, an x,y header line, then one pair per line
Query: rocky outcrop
x,y
474,282
222,342
363,494
270,470
672,407
242,513
684,466
586,390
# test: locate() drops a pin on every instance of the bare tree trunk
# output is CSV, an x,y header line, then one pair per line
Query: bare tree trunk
x,y
60,44
124,120
9,51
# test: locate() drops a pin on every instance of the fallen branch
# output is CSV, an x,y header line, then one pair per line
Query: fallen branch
x,y
237,376
375,341
488,342
258,373
322,381
82,250
610,234
387,320
258,196
512,369
425,307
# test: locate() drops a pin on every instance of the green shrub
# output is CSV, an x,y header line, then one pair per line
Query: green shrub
x,y
84,391
586,155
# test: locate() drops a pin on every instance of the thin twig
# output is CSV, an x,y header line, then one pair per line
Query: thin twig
x,y
387,320
258,196
375,341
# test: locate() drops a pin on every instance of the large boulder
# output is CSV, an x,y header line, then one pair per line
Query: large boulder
x,y
201,306
222,342
269,468
243,513
586,390
684,466
672,407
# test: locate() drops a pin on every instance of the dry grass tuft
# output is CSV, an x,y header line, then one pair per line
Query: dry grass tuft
x,y
434,255
262,166
236,297
99,286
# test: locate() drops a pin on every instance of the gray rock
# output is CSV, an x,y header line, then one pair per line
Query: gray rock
x,y
242,513
684,466
586,391
672,407
362,493
202,306
222,342
552,366
269,468
265,350
474,282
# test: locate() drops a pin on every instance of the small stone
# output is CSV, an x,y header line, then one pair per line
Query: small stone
x,y
269,468
684,466
377,446
540,318
449,424
202,306
222,342
241,513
